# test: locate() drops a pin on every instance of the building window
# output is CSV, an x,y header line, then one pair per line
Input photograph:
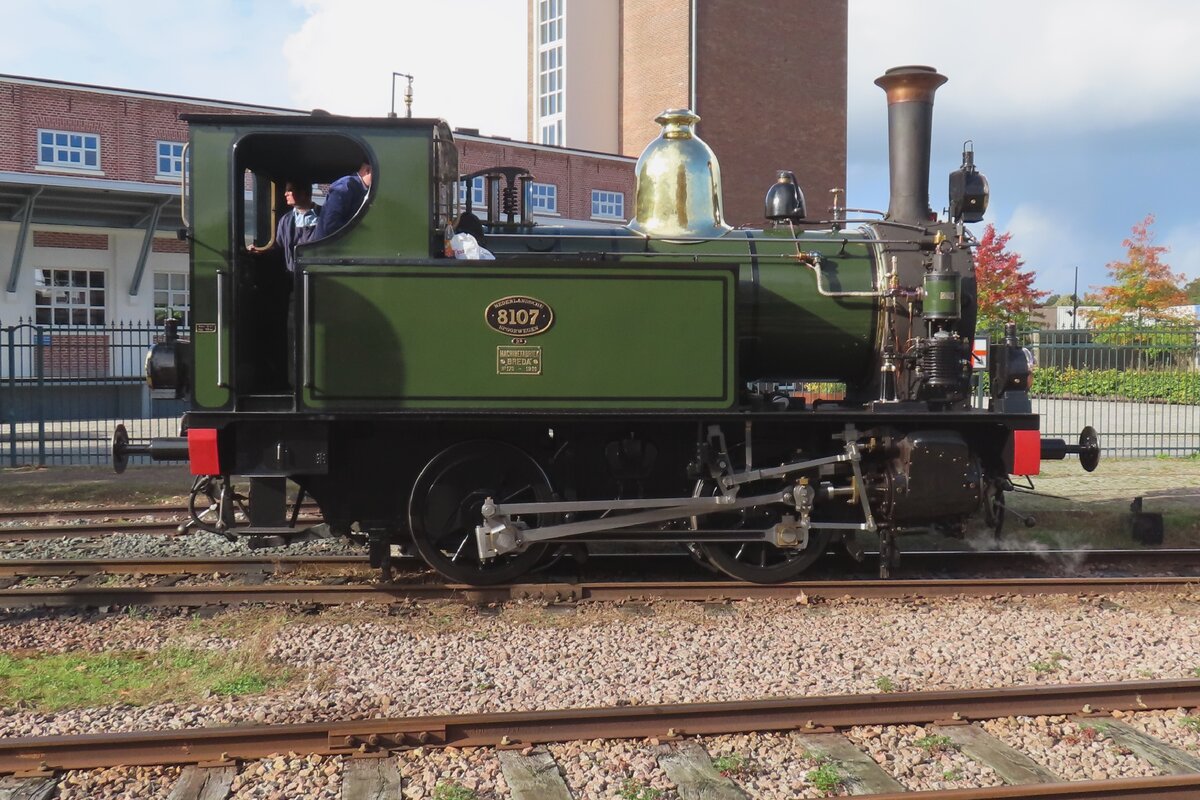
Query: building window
x,y
172,300
543,198
550,20
69,297
170,159
551,37
68,149
552,133
478,193
608,204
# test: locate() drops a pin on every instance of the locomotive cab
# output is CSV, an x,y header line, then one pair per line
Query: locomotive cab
x,y
249,342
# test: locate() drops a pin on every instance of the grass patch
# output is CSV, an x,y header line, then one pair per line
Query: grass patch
x,y
826,776
1191,723
732,765
453,791
636,790
934,743
1052,663
53,681
885,684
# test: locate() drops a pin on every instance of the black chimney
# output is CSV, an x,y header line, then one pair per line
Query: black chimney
x,y
910,93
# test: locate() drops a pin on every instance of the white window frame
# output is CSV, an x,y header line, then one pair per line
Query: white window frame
x,y
176,296
67,149
73,292
174,155
478,193
551,72
543,198
608,204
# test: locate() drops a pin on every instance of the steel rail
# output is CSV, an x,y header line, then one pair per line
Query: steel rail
x,y
67,567
960,559
44,532
327,594
921,559
106,511
144,527
54,513
196,745
1159,787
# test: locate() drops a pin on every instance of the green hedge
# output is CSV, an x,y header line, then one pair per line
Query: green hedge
x,y
1170,387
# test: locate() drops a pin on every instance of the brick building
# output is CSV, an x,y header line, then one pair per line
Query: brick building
x,y
768,80
571,184
90,184
90,197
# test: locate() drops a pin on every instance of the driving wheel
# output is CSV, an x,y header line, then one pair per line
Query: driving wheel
x,y
447,501
755,562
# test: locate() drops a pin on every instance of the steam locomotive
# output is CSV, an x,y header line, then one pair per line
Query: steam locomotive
x,y
591,384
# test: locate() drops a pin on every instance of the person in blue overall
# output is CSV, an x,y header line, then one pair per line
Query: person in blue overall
x,y
342,201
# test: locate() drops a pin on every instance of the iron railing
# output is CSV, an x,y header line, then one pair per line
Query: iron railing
x,y
63,390
1138,387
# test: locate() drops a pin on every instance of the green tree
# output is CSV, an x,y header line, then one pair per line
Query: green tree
x,y
1143,287
1006,292
1193,290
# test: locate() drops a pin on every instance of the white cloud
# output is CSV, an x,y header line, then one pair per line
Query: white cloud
x,y
1184,243
467,58
1029,64
1037,237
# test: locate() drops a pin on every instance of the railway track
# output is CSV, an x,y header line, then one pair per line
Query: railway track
x,y
166,527
87,513
813,725
338,591
102,512
82,567
1175,559
923,561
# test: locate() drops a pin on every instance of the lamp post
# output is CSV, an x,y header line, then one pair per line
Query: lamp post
x,y
1075,301
407,95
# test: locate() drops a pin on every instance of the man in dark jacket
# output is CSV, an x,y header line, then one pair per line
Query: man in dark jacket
x,y
343,200
277,313
297,225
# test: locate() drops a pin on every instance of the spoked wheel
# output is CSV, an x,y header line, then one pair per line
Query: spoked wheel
x,y
215,506
756,562
447,501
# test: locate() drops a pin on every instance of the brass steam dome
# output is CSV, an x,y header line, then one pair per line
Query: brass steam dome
x,y
678,183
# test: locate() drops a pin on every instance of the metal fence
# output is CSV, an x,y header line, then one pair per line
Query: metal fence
x,y
64,389
1139,388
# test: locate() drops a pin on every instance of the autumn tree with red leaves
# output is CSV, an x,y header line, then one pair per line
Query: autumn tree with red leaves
x,y
1006,293
1143,288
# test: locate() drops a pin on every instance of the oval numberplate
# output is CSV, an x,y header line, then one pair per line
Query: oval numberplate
x,y
519,316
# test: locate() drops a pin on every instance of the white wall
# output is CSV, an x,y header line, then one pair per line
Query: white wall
x,y
118,262
591,54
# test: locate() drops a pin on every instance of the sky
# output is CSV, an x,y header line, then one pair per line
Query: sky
x,y
1085,114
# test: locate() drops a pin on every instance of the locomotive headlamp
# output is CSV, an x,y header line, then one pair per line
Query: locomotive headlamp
x,y
785,200
167,365
1012,365
968,189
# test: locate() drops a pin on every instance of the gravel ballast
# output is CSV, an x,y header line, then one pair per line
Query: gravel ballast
x,y
356,663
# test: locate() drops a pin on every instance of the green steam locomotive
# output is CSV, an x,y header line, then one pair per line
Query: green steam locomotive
x,y
590,384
